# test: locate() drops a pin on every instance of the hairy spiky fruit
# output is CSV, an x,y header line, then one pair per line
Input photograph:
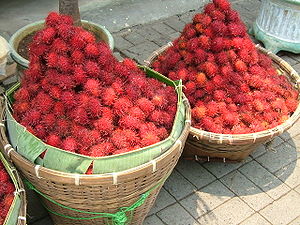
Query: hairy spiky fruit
x,y
102,149
70,144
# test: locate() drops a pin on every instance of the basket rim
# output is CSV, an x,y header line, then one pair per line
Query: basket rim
x,y
73,178
250,137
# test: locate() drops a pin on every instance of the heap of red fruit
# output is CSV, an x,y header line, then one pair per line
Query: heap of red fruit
x,y
231,86
7,189
78,97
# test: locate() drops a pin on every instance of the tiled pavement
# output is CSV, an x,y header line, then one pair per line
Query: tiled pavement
x,y
262,190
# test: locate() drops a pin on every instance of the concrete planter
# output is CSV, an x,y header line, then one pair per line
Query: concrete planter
x,y
278,25
17,37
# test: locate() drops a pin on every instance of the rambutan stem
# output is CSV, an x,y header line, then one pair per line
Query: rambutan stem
x,y
70,7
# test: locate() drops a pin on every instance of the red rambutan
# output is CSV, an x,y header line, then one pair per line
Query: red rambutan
x,y
70,144
224,5
92,86
53,140
122,106
91,50
237,29
104,125
102,149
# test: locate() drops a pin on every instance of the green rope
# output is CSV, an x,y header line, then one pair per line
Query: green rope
x,y
118,218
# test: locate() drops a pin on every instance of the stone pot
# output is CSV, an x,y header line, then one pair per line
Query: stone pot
x,y
19,35
278,25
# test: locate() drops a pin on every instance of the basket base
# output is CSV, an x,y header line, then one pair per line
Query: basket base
x,y
205,151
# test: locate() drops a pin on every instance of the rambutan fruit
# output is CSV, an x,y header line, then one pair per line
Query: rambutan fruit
x,y
211,109
59,46
217,15
264,61
201,18
122,105
48,35
259,105
129,122
218,44
91,50
232,16
87,36
219,95
48,121
238,43
199,112
65,31
210,68
190,87
189,31
121,70
102,149
53,140
109,96
209,32
201,79
68,99
93,87
219,28
230,118
4,177
79,115
245,56
199,56
240,66
22,94
222,57
256,126
104,125
79,75
91,137
77,56
291,104
160,117
70,144
224,5
130,63
43,102
77,42
92,68
237,29
53,19
149,139
64,64
94,108
145,105
123,138
204,42
159,100
209,8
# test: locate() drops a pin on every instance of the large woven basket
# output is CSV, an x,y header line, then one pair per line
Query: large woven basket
x,y
207,146
17,212
101,193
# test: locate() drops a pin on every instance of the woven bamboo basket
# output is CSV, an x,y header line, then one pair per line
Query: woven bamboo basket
x,y
102,193
17,212
207,146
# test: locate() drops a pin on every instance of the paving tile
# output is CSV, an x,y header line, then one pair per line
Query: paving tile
x,y
246,190
290,174
264,179
44,221
294,130
163,200
163,40
163,28
175,23
195,173
178,186
280,157
284,210
256,219
152,220
176,215
121,43
134,37
295,222
230,213
272,144
206,199
174,36
285,136
187,17
260,150
221,169
149,33
145,47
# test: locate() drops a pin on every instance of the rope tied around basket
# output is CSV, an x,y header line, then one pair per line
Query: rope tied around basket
x,y
118,218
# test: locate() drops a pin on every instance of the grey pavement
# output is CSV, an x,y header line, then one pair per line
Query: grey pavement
x,y
262,190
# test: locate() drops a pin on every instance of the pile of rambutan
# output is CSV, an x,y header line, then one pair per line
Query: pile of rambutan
x,y
232,87
78,97
7,189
